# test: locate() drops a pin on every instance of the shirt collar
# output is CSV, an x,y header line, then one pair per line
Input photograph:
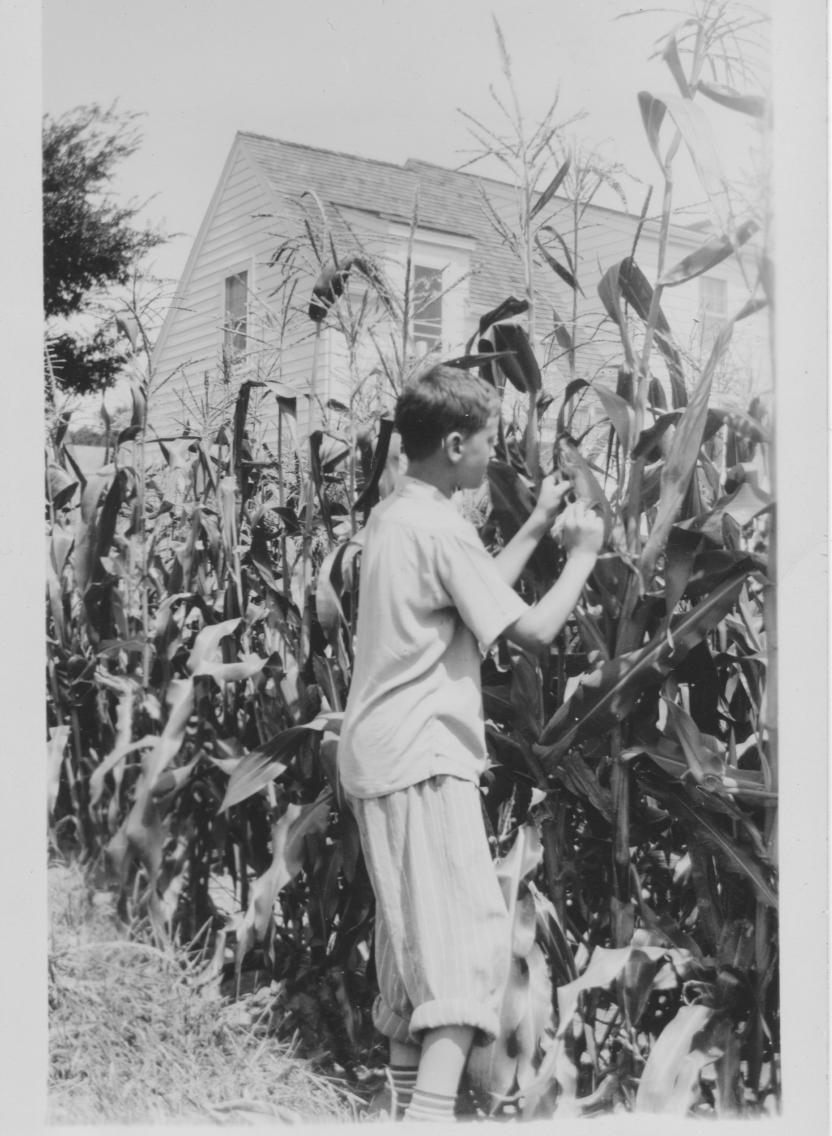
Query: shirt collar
x,y
414,487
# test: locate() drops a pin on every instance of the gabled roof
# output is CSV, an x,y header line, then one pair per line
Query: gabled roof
x,y
450,201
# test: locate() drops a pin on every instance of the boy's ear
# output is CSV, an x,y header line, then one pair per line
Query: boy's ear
x,y
452,445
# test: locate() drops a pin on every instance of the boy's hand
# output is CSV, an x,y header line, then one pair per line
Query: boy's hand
x,y
550,499
580,529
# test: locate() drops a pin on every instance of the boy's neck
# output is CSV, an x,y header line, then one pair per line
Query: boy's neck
x,y
437,472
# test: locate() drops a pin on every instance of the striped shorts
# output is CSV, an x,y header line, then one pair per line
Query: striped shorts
x,y
442,936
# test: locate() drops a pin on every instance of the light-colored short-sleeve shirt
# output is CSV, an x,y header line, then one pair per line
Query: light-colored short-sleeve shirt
x,y
430,599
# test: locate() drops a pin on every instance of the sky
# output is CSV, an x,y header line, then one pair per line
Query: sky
x,y
381,78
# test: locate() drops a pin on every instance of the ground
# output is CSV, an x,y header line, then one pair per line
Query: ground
x,y
142,1034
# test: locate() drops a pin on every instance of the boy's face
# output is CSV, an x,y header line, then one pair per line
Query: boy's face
x,y
475,453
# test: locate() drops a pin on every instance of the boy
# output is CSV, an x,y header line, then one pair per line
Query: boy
x,y
412,744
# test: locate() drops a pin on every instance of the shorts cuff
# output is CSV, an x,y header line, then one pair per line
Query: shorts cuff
x,y
390,1024
456,1012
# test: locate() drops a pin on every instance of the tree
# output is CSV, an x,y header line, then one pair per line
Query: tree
x,y
90,243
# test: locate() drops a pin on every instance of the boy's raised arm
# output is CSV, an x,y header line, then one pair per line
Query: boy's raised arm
x,y
512,559
582,535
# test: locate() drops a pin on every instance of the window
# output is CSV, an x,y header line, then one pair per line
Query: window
x,y
236,314
713,308
427,308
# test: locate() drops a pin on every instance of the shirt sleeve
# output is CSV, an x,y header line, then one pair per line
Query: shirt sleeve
x,y
469,576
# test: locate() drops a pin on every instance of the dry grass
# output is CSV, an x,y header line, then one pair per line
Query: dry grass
x,y
137,1035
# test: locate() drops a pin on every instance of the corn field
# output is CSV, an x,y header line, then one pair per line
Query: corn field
x,y
201,607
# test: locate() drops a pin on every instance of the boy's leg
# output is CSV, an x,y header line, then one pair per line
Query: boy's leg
x,y
446,928
405,1055
402,1071
444,1053
391,1013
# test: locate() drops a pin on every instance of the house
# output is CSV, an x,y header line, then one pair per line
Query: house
x,y
280,212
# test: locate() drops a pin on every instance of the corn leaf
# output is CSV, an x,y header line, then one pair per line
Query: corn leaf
x,y
626,280
526,694
55,749
562,334
491,1070
574,773
521,860
640,976
312,820
655,394
574,465
144,830
753,105
370,493
180,698
138,398
511,497
467,362
117,495
569,393
605,696
619,413
706,765
564,273
742,505
695,129
537,1021
550,190
682,547
564,246
702,823
254,924
61,487
706,257
327,601
173,780
206,648
670,54
669,757
681,459
261,765
669,1079
243,668
517,361
86,532
506,310
604,967
112,761
60,428
652,115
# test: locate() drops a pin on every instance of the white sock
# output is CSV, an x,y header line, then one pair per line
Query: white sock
x,y
430,1106
402,1081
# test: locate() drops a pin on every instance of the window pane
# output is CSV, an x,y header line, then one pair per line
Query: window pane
x,y
714,295
427,307
236,311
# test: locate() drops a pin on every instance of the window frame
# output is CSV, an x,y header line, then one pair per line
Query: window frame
x,y
234,340
432,339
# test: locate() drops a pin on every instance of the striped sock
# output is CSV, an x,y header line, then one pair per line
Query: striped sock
x,y
402,1081
430,1106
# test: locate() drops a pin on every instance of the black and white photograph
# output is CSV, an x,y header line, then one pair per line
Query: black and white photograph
x,y
426,582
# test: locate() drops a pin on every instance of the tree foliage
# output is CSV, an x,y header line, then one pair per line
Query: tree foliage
x,y
90,243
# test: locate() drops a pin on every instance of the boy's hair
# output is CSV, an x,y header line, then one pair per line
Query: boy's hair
x,y
439,401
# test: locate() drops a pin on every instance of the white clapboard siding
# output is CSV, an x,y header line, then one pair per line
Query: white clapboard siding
x,y
369,206
234,238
